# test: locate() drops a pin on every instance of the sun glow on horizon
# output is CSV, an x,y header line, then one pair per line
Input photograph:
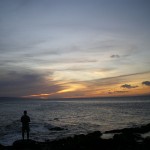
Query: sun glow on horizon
x,y
129,85
72,87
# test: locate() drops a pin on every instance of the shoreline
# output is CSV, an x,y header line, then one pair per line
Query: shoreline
x,y
123,139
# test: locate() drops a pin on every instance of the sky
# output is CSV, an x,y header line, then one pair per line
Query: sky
x,y
74,48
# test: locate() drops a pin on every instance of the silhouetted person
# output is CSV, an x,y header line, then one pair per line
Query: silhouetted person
x,y
25,119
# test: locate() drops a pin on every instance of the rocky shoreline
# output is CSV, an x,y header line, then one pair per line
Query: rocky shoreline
x,y
123,139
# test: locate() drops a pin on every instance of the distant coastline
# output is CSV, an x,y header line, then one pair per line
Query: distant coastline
x,y
75,98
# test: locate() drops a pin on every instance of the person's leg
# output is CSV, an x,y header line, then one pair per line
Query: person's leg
x,y
23,133
28,133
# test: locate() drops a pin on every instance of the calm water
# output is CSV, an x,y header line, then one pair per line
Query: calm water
x,y
71,116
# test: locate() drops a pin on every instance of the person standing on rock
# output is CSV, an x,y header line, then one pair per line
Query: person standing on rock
x,y
25,119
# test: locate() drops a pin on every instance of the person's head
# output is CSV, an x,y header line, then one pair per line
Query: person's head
x,y
25,112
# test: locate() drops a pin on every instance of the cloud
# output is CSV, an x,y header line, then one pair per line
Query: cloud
x,y
13,83
114,56
128,86
147,83
120,92
114,80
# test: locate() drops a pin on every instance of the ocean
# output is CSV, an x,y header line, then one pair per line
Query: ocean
x,y
55,119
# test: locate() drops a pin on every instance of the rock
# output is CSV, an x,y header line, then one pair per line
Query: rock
x,y
146,144
127,139
1,147
142,129
56,128
95,134
26,144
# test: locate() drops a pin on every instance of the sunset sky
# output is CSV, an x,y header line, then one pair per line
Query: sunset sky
x,y
74,48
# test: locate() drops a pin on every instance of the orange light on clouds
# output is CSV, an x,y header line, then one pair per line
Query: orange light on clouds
x,y
126,85
72,87
44,95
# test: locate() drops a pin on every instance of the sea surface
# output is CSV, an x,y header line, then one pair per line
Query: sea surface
x,y
55,119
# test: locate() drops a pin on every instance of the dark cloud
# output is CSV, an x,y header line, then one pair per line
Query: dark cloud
x,y
121,92
147,83
114,56
14,79
14,83
128,86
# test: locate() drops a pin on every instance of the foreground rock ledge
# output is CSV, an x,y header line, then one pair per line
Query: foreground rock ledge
x,y
124,139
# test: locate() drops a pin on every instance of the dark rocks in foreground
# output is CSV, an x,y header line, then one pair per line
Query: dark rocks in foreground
x,y
142,129
125,140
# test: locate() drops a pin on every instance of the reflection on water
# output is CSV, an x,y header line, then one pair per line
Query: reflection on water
x,y
57,119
